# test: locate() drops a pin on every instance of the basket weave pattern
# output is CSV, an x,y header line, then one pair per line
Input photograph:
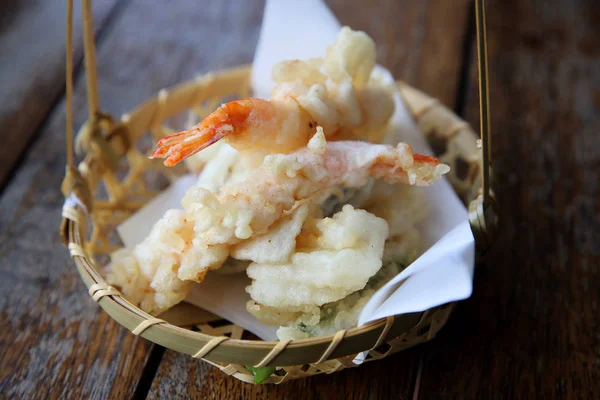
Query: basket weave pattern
x,y
120,179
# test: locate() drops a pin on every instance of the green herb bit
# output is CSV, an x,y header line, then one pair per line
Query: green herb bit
x,y
260,373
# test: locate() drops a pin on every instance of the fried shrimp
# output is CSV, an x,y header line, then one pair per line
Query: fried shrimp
x,y
263,202
340,100
211,224
249,125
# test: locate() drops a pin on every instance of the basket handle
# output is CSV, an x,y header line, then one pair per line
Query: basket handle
x,y
91,73
73,182
89,49
93,134
483,209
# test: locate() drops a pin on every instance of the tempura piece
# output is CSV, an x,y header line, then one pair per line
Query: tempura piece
x,y
334,257
147,275
203,234
400,205
222,169
352,57
251,207
331,317
278,244
342,100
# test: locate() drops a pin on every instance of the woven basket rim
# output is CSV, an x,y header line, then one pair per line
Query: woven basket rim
x,y
355,340
117,304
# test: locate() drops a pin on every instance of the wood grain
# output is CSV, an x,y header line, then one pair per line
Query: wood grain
x,y
420,42
397,28
58,342
531,328
32,67
182,376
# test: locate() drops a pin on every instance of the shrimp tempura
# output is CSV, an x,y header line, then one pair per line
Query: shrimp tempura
x,y
211,224
341,99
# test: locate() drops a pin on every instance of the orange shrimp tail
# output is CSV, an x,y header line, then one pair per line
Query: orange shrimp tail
x,y
226,120
420,158
179,146
422,172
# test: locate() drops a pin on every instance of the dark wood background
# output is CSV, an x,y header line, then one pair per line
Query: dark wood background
x,y
531,328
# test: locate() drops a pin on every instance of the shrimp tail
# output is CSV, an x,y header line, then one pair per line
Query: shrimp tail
x,y
408,167
228,119
179,146
420,158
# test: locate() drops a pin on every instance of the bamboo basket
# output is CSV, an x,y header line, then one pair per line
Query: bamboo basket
x,y
115,178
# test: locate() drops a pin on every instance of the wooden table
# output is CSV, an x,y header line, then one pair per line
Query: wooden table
x,y
531,328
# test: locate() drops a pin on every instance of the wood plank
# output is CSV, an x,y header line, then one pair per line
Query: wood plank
x,y
531,328
55,343
419,42
181,376
145,51
59,341
32,66
400,32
